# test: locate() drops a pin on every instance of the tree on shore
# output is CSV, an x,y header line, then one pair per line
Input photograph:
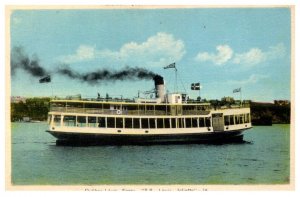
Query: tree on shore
x,y
34,108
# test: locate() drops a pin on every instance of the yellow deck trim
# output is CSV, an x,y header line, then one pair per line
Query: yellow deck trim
x,y
126,103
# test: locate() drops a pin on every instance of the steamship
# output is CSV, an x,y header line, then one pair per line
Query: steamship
x,y
166,118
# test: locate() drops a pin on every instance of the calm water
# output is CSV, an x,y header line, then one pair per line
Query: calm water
x,y
36,160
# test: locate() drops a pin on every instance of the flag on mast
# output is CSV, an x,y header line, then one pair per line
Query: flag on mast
x,y
237,90
195,86
46,79
170,66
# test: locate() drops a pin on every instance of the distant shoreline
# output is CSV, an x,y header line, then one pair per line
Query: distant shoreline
x,y
36,109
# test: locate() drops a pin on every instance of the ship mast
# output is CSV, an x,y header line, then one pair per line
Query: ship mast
x,y
175,69
176,87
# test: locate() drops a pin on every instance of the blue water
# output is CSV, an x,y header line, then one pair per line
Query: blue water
x,y
36,160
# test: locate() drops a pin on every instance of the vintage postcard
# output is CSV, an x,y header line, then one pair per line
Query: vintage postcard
x,y
150,98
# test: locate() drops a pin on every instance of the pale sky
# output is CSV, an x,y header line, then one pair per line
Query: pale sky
x,y
223,49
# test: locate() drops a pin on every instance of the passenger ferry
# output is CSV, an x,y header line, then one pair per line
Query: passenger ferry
x,y
167,118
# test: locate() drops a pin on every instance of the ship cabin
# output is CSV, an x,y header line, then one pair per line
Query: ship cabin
x,y
141,114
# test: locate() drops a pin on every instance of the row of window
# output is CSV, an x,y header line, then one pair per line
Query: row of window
x,y
137,109
140,107
145,123
236,119
136,123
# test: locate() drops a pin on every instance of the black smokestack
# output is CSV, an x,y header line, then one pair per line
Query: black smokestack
x,y
159,87
158,80
19,60
128,73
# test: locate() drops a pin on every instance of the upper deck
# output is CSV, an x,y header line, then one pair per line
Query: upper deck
x,y
129,107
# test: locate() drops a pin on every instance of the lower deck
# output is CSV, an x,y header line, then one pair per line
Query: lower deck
x,y
215,126
218,121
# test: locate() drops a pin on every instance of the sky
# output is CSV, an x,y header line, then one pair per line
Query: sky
x,y
222,48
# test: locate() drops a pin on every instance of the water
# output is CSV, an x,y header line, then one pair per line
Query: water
x,y
36,160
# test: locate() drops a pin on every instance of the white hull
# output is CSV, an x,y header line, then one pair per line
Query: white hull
x,y
144,136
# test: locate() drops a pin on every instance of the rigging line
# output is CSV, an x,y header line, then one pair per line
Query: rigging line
x,y
182,84
167,80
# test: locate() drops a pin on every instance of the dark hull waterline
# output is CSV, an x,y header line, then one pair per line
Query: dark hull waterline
x,y
65,138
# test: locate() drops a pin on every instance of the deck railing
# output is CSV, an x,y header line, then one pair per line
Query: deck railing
x,y
144,111
125,112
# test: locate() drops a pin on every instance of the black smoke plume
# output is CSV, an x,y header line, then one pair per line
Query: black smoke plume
x,y
127,73
20,60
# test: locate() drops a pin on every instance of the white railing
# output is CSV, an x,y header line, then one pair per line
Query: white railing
x,y
124,112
